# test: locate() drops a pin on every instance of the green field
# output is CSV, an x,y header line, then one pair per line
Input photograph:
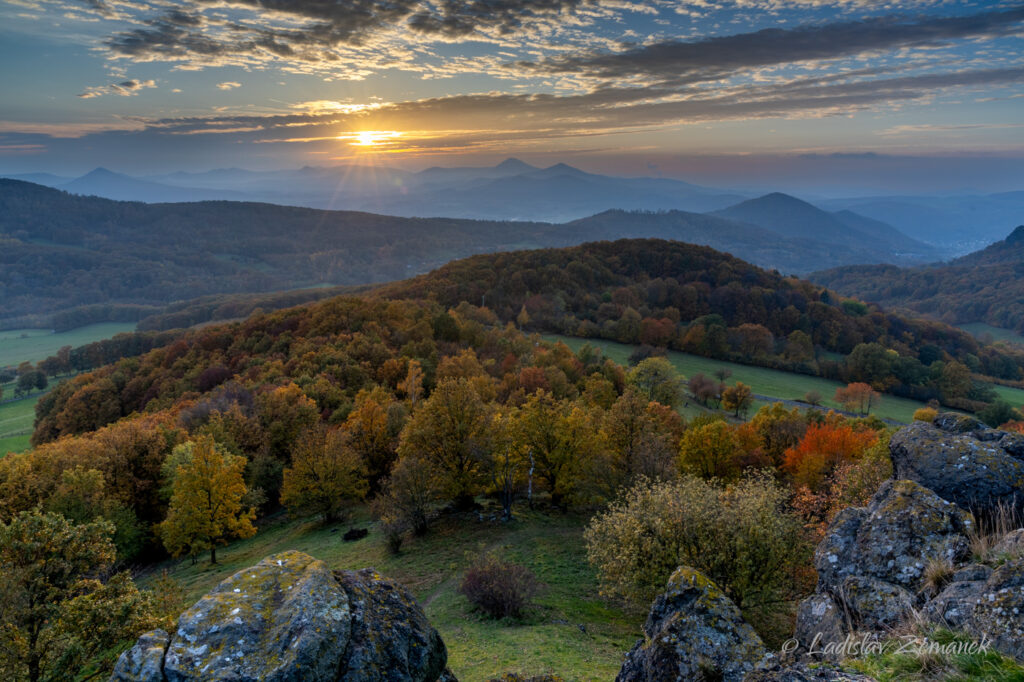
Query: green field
x,y
33,345
1014,396
548,640
16,423
768,382
980,329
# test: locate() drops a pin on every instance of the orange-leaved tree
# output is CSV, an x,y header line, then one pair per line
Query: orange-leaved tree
x,y
857,397
824,447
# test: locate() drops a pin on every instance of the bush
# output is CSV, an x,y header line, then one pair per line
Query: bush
x,y
742,536
499,588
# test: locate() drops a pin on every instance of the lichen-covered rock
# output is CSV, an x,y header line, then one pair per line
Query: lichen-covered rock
x,y
1011,546
871,562
284,619
805,672
962,461
998,610
875,603
820,620
693,632
287,619
145,660
391,638
893,538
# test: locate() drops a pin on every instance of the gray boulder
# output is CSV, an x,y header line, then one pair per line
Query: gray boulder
x,y
289,618
893,538
990,609
694,632
872,560
803,672
962,461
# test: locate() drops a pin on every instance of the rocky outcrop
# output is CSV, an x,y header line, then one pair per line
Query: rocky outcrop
x,y
803,672
988,604
962,461
694,632
872,561
289,618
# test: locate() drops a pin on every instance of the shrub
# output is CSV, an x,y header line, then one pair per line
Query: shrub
x,y
499,588
742,536
925,414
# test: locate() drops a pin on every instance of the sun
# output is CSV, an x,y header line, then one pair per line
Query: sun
x,y
370,138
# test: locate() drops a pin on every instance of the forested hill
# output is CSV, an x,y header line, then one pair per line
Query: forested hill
x,y
701,301
985,286
87,259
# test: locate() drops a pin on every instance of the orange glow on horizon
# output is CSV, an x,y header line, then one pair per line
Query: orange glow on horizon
x,y
370,138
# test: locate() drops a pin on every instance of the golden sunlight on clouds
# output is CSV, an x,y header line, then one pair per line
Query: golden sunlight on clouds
x,y
370,138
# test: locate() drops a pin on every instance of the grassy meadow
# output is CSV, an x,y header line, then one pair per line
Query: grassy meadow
x,y
16,422
767,382
980,329
33,345
571,630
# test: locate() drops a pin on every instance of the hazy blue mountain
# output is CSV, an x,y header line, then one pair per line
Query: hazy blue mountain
x,y
47,179
110,185
799,220
958,223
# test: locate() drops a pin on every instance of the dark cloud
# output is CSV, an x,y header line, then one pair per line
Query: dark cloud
x,y
716,57
456,19
321,25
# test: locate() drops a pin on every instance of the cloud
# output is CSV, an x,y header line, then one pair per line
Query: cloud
x,y
721,56
124,89
318,32
228,85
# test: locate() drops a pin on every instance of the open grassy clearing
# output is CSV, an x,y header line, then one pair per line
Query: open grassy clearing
x,y
548,640
33,345
768,382
1014,396
980,329
16,422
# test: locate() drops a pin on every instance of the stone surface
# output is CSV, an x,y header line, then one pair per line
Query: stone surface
x,y
998,610
694,632
289,619
1011,546
391,638
284,619
805,672
875,604
962,461
145,660
872,560
893,538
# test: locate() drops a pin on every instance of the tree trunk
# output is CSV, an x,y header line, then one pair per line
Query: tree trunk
x,y
213,554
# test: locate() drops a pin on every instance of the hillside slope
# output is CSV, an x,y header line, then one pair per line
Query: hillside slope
x,y
62,252
795,219
985,286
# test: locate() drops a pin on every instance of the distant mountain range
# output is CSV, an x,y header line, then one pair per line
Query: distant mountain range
x,y
515,190
985,286
64,252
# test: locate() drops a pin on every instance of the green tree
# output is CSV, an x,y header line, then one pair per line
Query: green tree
x,y
656,379
57,616
324,474
710,450
207,502
449,432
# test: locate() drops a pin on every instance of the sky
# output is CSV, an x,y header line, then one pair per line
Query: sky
x,y
907,95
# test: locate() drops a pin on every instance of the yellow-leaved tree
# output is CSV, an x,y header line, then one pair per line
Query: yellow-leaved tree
x,y
207,502
324,474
